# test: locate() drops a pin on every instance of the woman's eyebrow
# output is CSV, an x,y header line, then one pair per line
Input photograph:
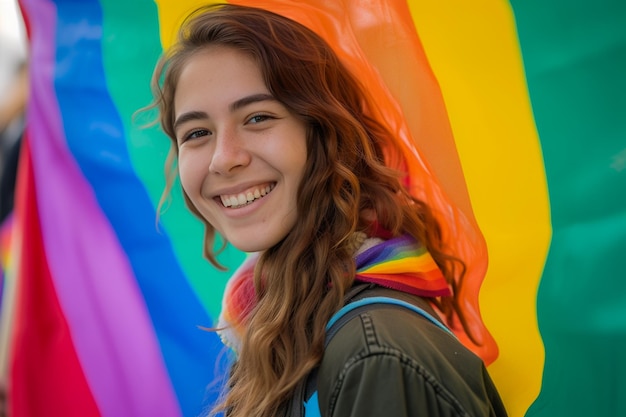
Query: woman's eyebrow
x,y
189,116
254,98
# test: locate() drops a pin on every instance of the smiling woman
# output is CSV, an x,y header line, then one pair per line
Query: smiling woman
x,y
278,152
241,153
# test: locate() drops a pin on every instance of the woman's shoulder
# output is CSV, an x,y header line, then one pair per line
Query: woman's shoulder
x,y
391,329
390,346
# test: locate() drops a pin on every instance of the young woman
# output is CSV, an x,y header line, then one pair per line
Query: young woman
x,y
276,153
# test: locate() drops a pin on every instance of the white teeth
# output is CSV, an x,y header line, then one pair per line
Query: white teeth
x,y
236,201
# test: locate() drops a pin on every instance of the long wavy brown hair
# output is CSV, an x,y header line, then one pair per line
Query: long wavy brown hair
x,y
302,280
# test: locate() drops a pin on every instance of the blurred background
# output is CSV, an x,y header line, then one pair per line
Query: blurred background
x,y
13,94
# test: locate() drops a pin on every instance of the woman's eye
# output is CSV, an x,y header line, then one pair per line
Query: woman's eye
x,y
258,118
196,134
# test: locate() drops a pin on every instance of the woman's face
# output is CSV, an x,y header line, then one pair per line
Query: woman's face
x,y
241,153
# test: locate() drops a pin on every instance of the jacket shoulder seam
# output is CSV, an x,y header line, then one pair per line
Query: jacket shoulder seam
x,y
375,348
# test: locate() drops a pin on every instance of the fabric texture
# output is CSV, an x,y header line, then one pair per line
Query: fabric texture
x,y
392,362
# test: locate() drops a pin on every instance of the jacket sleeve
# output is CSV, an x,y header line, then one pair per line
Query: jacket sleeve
x,y
388,384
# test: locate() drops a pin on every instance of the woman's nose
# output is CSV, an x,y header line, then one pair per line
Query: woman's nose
x,y
229,154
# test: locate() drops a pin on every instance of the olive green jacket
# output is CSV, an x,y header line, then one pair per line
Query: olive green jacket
x,y
392,362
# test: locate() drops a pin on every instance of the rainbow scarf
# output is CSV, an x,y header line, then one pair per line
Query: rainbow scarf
x,y
402,264
399,263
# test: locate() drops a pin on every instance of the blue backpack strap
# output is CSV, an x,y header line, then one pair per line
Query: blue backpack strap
x,y
312,406
344,315
358,304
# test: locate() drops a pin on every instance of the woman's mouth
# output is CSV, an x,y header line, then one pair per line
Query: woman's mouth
x,y
246,197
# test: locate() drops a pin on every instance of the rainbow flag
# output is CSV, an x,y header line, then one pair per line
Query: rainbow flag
x,y
514,118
